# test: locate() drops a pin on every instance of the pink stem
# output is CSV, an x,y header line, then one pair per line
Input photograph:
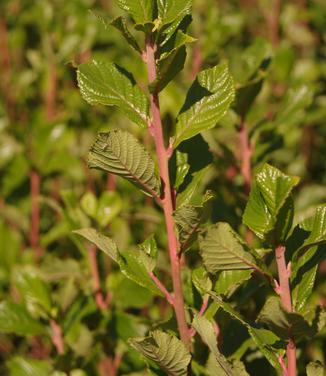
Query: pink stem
x,y
57,336
162,288
200,313
245,155
101,302
155,128
284,291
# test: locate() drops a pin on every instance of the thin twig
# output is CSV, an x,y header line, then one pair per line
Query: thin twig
x,y
57,338
162,288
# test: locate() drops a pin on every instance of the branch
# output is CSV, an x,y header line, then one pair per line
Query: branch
x,y
283,289
162,288
57,336
166,200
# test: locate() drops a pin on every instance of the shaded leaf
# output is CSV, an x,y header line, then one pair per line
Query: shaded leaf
x,y
120,24
164,349
14,318
206,330
317,229
228,281
106,83
207,101
284,323
182,168
201,280
222,249
120,153
315,369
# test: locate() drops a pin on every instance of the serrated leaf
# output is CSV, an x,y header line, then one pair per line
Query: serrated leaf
x,y
303,275
14,318
228,281
19,366
33,290
170,10
120,153
104,243
263,338
140,10
206,330
164,349
207,101
106,83
270,194
318,229
284,323
201,280
315,369
222,249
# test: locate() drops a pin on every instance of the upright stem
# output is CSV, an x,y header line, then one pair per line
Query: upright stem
x,y
285,294
167,204
245,155
57,337
35,183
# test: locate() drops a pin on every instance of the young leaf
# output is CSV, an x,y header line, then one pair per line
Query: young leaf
x,y
140,10
102,242
222,249
106,83
270,206
164,349
282,322
206,330
207,101
171,62
14,318
120,153
170,10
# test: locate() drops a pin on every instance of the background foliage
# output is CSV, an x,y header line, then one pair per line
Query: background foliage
x,y
52,282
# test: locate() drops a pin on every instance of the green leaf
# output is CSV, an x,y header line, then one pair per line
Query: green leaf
x,y
317,234
303,275
109,206
270,206
315,369
228,281
222,249
284,323
106,83
120,24
33,290
170,10
149,253
135,265
263,338
164,349
207,101
120,153
201,280
19,366
102,242
88,203
140,10
185,197
14,318
206,330
182,168
171,62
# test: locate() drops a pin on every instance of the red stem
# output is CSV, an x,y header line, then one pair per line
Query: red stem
x,y
285,294
57,337
245,155
35,183
101,302
162,288
162,156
